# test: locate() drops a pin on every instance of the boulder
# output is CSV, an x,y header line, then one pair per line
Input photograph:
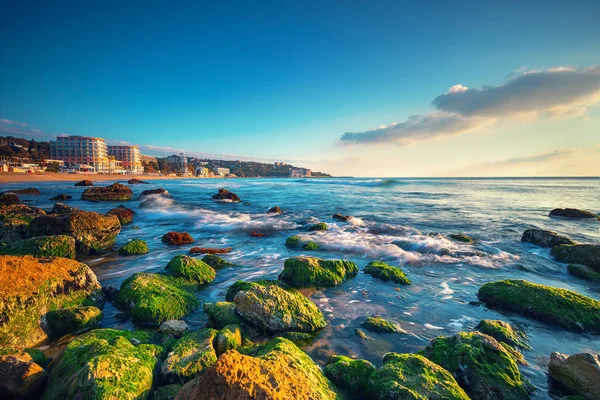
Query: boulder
x,y
12,229
174,327
572,213
110,292
124,214
279,370
42,246
73,320
352,376
167,392
321,226
381,325
134,247
221,314
216,262
304,271
210,250
150,192
225,195
460,237
579,373
300,339
21,377
60,208
26,191
7,199
381,270
105,364
92,232
586,254
275,309
340,217
482,366
228,338
84,183
114,192
583,272
562,307
544,238
21,212
274,210
191,269
30,287
190,357
504,332
304,242
177,238
238,286
61,197
136,181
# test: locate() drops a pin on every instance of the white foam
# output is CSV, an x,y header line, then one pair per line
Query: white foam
x,y
429,326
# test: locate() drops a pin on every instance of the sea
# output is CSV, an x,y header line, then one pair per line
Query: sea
x,y
401,221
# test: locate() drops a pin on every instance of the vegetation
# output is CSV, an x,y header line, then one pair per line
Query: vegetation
x,y
216,262
191,269
385,272
504,332
351,375
42,246
221,314
238,286
73,320
134,247
304,271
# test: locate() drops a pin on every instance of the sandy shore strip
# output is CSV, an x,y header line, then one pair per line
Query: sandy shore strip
x,y
14,177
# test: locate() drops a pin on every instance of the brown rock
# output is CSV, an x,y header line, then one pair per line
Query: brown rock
x,y
124,214
20,377
579,373
544,238
274,210
209,250
573,213
7,199
27,191
177,238
226,196
135,181
85,183
150,192
61,197
114,192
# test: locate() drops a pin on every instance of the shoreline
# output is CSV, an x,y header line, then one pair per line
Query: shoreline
x,y
15,177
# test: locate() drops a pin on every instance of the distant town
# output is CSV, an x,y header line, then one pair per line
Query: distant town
x,y
91,155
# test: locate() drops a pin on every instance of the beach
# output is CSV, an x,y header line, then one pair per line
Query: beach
x,y
13,177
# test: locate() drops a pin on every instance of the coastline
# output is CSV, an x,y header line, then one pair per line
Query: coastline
x,y
15,177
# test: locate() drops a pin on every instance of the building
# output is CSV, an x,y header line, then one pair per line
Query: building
x,y
81,150
202,171
178,163
129,156
221,171
300,173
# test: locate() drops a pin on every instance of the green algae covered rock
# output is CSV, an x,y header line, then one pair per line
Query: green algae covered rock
x,y
304,271
73,320
190,357
304,242
42,246
385,272
310,245
351,375
412,376
168,392
562,307
228,338
275,309
37,356
243,285
482,366
321,226
460,237
134,247
191,269
583,272
586,254
154,298
221,314
504,332
300,339
544,238
216,262
292,241
105,364
380,325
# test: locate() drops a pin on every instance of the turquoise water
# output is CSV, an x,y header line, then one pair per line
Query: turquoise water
x,y
400,221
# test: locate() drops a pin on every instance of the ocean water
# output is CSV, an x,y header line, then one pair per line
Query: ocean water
x,y
400,221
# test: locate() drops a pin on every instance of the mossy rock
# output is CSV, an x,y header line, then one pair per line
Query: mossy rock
x,y
292,241
221,314
459,237
275,309
321,226
385,272
586,254
105,364
583,272
154,298
381,325
37,356
216,262
304,242
73,320
124,214
134,247
304,271
544,238
482,366
243,285
413,377
300,339
168,392
562,307
190,357
228,338
42,246
114,192
350,375
191,269
311,246
504,332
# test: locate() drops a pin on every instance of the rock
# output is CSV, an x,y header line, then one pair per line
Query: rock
x,y
352,376
135,181
561,307
258,234
60,208
152,298
544,238
190,357
105,364
304,271
381,270
21,377
228,338
321,226
42,246
380,325
26,191
586,254
174,327
459,237
12,229
209,250
221,314
168,392
482,366
278,370
583,272
7,199
579,373
504,332
274,210
84,183
276,309
412,376
92,232
238,286
572,213
114,192
177,238
73,320
110,292
37,356
225,195
150,192
31,286
300,339
124,214
62,197
340,217
301,242
191,269
21,212
216,262
134,247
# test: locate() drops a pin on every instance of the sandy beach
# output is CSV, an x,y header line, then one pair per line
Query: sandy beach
x,y
13,177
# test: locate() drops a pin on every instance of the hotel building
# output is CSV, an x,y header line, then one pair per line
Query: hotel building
x,y
81,152
130,157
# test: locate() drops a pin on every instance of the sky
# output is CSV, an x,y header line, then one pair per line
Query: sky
x,y
352,88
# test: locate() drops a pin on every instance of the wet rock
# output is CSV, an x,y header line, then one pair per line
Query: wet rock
x,y
217,262
26,191
340,217
381,270
579,373
110,292
221,314
61,197
504,332
190,357
31,286
228,338
275,309
274,210
459,237
37,356
210,250
482,366
134,247
114,192
60,208
150,192
300,339
12,229
177,238
352,376
586,254
73,320
136,181
381,325
42,246
174,327
544,238
225,195
301,242
572,213
276,371
583,272
21,212
84,183
168,392
21,377
238,286
304,271
124,214
7,199
321,226
191,269
105,364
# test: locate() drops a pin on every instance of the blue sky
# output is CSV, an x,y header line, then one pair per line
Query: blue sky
x,y
287,80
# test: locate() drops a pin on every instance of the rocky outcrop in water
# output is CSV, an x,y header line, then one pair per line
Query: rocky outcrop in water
x,y
6,199
136,181
586,254
226,196
573,213
583,272
217,262
544,238
73,320
134,247
151,192
124,214
579,373
26,191
61,197
304,271
221,314
114,192
274,210
60,208
504,332
190,357
210,250
42,246
177,238
380,325
84,183
381,270
340,217
191,269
